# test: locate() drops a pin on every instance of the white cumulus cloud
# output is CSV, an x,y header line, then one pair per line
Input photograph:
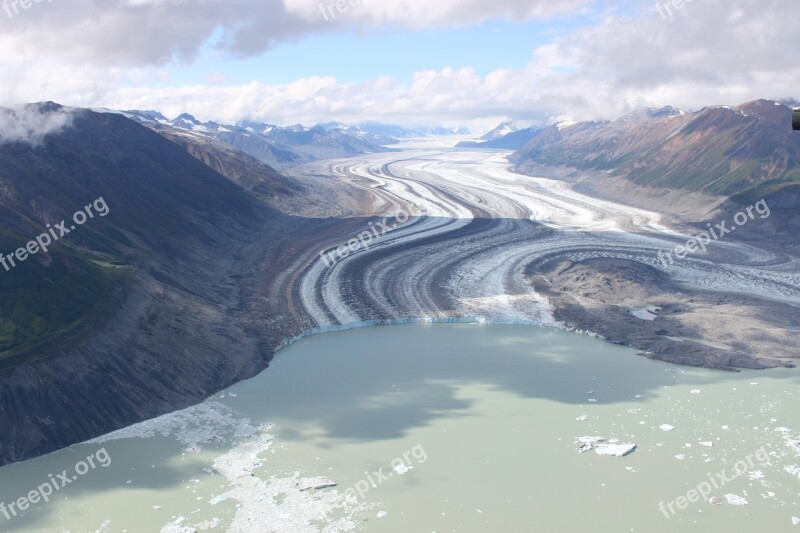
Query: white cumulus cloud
x,y
709,52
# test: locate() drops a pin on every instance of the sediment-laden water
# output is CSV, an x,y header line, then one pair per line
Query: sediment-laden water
x,y
440,427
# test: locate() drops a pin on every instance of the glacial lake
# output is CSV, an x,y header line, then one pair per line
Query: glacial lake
x,y
440,428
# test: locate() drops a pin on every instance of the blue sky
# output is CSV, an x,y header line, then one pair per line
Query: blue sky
x,y
360,56
413,62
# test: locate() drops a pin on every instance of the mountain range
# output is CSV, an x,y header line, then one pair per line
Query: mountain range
x,y
284,147
744,150
504,137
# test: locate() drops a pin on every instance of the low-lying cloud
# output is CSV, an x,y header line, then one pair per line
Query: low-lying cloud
x,y
30,124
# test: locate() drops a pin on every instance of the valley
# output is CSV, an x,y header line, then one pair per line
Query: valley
x,y
488,243
234,267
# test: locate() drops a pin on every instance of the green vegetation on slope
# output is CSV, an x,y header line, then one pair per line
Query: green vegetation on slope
x,y
52,296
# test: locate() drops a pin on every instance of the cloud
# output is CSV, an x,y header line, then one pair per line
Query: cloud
x,y
710,52
416,14
448,96
159,32
31,124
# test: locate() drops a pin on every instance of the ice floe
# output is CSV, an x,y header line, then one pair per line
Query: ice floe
x,y
604,446
735,499
316,483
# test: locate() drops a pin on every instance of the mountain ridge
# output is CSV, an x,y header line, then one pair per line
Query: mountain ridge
x,y
133,314
720,150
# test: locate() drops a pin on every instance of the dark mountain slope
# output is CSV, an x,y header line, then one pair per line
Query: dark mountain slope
x,y
132,314
239,167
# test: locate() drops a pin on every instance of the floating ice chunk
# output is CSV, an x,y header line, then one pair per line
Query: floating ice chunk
x,y
680,457
176,526
757,474
603,446
707,443
584,444
795,521
582,418
616,450
592,400
401,469
665,427
695,391
735,499
714,501
793,470
381,514
315,483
